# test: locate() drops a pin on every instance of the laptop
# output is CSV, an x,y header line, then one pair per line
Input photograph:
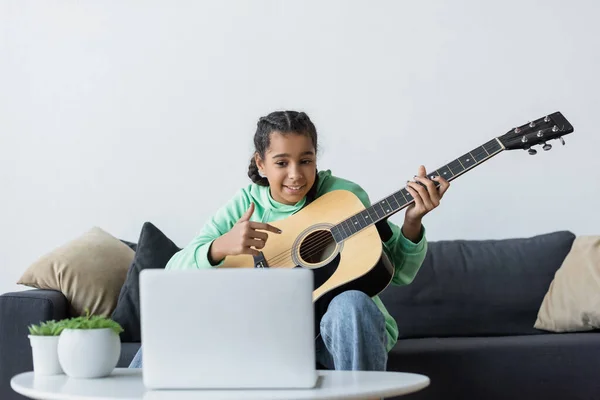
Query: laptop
x,y
227,328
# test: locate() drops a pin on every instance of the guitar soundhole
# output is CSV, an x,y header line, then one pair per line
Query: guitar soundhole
x,y
317,247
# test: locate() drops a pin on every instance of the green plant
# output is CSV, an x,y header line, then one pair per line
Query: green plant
x,y
88,321
47,328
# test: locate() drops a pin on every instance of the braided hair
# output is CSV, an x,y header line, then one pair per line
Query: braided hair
x,y
283,122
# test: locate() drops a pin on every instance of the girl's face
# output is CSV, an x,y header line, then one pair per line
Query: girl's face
x,y
290,166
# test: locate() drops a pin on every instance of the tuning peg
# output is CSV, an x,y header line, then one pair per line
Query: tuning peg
x,y
562,140
547,119
532,152
532,124
546,146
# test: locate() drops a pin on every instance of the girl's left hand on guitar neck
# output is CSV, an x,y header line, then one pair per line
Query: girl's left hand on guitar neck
x,y
427,197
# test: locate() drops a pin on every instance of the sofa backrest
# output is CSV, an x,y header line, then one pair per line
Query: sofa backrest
x,y
478,288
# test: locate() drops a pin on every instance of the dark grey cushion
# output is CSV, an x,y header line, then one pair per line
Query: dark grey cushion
x,y
548,366
478,287
154,250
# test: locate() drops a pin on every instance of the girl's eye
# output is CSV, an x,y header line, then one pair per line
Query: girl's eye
x,y
284,163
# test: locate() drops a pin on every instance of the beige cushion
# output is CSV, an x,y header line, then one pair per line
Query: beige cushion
x,y
572,302
88,270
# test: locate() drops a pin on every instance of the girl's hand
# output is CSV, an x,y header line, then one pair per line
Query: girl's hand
x,y
244,238
426,198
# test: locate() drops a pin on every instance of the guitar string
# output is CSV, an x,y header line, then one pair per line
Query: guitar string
x,y
305,252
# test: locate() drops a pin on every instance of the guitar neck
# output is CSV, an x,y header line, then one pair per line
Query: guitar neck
x,y
402,198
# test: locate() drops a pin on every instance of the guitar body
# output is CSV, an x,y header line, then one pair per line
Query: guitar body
x,y
357,263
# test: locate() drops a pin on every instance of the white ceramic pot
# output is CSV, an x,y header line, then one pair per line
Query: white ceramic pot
x,y
88,353
44,352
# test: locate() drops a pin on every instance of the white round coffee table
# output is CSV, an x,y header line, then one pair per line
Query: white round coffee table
x,y
126,383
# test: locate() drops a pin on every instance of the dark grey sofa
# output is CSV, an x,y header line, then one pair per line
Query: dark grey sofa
x,y
466,322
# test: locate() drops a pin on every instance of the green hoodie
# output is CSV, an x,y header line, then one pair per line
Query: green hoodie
x,y
406,255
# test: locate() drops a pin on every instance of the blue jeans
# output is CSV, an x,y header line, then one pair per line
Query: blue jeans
x,y
353,335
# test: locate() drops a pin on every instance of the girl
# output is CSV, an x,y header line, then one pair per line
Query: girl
x,y
357,331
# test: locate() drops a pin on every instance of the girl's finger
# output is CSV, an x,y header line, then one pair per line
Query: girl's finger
x,y
423,194
444,185
258,235
257,244
432,190
264,227
415,195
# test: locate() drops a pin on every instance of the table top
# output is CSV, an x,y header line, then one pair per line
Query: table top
x,y
127,384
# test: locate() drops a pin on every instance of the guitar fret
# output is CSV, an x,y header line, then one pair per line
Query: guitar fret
x,y
479,154
379,210
455,166
356,222
335,231
402,200
466,161
433,174
349,227
445,172
361,220
342,230
492,146
366,221
395,201
373,214
386,206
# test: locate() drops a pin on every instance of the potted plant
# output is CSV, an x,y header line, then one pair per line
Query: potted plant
x,y
89,346
43,339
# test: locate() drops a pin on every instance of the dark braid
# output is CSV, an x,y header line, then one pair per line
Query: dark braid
x,y
284,122
254,175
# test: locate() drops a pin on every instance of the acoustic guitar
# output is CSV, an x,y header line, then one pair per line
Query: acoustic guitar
x,y
335,235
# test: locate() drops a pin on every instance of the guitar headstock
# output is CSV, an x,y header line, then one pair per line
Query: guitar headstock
x,y
542,130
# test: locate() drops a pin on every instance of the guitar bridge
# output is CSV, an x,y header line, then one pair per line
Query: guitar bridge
x,y
259,261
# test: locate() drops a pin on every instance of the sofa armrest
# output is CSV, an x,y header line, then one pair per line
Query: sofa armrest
x,y
18,310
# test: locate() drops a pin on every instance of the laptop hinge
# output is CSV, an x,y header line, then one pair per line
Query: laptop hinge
x,y
259,261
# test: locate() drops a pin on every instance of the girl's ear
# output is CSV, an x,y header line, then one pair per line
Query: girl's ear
x,y
259,163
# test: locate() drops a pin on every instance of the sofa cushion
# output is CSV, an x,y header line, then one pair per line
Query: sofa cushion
x,y
89,270
153,250
573,300
478,287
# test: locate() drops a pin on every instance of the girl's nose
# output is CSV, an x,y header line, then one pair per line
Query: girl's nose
x,y
294,172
